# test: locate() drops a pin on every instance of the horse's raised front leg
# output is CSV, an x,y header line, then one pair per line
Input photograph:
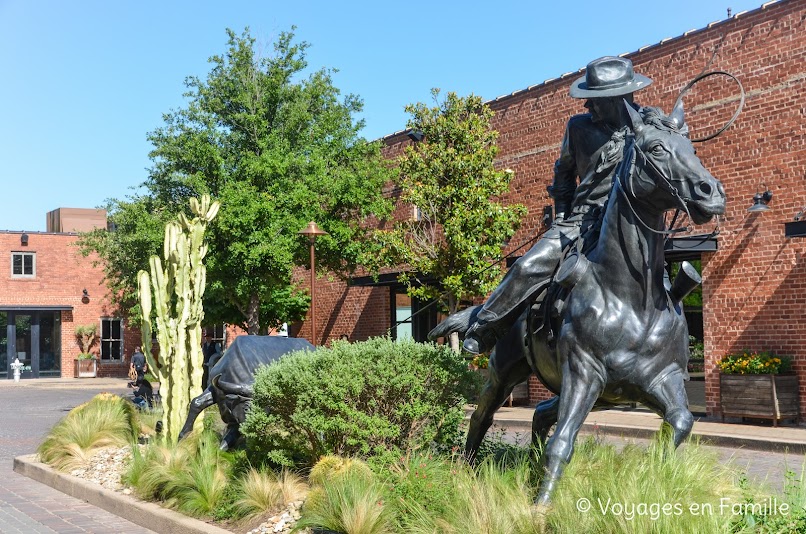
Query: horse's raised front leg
x,y
670,395
581,387
197,406
545,416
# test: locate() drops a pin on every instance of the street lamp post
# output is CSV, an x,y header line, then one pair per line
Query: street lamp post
x,y
313,231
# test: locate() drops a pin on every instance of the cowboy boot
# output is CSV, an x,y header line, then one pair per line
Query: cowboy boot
x,y
481,337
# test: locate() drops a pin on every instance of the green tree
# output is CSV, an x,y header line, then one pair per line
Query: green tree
x,y
277,149
138,229
458,224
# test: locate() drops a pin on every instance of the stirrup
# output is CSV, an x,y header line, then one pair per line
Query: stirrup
x,y
479,339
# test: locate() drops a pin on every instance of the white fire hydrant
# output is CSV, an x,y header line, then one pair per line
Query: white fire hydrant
x,y
17,366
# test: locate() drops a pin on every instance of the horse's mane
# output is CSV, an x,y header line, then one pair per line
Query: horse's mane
x,y
656,117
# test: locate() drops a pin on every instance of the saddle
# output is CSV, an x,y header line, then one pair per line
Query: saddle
x,y
548,307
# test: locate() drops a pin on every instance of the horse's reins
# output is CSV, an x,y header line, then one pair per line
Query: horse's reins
x,y
660,178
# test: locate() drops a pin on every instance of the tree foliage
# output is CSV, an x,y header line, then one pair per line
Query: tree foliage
x,y
277,149
458,224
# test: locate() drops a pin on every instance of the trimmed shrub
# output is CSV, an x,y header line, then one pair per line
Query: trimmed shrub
x,y
372,399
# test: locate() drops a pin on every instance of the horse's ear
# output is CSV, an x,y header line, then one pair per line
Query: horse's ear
x,y
677,115
635,117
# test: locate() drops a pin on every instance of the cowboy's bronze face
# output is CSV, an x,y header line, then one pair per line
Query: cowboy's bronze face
x,y
606,110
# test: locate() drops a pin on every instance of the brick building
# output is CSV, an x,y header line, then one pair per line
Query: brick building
x,y
754,291
47,290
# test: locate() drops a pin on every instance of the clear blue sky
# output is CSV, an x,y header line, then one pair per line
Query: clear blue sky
x,y
82,82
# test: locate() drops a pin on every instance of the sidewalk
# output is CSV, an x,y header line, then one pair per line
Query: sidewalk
x,y
644,424
628,423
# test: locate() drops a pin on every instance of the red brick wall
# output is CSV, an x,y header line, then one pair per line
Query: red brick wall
x,y
61,276
755,285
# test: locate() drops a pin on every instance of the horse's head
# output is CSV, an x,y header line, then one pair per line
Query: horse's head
x,y
668,174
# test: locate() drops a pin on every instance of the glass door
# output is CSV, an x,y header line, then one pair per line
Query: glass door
x,y
49,359
22,346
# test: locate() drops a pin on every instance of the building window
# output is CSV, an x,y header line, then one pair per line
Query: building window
x,y
402,319
111,339
218,332
411,317
23,264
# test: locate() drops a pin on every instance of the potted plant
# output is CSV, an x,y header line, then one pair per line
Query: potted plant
x,y
760,385
86,364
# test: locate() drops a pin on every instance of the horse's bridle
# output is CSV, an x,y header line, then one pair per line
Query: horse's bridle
x,y
632,152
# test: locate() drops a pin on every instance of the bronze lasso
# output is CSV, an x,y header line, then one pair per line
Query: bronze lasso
x,y
735,115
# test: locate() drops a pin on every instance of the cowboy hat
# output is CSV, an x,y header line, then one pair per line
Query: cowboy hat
x,y
608,76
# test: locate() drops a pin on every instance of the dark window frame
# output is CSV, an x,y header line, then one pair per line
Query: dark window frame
x,y
23,256
109,341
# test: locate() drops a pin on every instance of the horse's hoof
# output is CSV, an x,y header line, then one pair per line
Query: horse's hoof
x,y
540,510
542,502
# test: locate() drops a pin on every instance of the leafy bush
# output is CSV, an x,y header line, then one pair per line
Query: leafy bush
x,y
372,399
105,420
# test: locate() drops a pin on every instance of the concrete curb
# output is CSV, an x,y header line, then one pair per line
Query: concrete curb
x,y
145,514
719,440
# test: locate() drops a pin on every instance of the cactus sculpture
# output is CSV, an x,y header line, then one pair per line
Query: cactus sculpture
x,y
177,287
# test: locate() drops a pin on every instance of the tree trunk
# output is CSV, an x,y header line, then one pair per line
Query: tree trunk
x,y
453,338
253,316
453,341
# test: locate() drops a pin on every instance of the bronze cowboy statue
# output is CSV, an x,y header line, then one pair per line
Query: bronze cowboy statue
x,y
609,330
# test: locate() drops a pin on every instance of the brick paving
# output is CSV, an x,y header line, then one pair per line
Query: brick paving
x,y
29,409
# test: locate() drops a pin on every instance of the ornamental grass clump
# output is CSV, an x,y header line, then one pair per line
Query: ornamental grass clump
x,y
433,493
191,476
105,420
349,498
644,489
750,362
374,399
259,491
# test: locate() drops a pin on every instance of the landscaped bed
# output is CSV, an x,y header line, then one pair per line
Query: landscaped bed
x,y
377,452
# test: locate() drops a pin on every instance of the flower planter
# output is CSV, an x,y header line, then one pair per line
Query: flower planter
x,y
86,368
773,397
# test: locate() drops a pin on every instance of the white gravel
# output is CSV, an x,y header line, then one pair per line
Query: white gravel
x,y
108,464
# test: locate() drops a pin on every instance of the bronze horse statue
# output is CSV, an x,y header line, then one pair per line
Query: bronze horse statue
x,y
619,334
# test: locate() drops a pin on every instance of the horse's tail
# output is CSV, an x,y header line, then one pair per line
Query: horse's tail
x,y
458,322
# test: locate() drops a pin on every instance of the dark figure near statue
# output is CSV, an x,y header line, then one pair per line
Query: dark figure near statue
x,y
608,330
